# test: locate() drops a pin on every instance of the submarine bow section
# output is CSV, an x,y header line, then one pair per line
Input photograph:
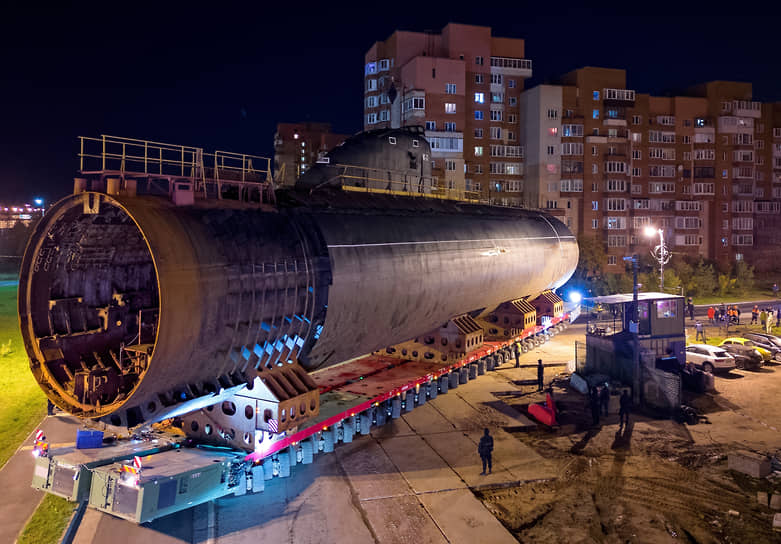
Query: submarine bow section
x,y
134,310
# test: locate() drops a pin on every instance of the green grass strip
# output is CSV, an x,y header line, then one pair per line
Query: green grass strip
x,y
23,403
48,522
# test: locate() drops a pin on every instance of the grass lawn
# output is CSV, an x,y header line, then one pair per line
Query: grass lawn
x,y
48,522
716,335
24,404
743,296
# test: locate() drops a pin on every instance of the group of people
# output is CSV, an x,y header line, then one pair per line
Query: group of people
x,y
599,400
724,314
765,317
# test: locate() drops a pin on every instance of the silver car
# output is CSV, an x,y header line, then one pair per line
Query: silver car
x,y
709,358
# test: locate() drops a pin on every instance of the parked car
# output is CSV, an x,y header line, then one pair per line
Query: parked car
x,y
709,358
773,339
745,356
766,355
765,341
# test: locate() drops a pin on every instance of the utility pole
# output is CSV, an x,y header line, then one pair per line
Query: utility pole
x,y
634,328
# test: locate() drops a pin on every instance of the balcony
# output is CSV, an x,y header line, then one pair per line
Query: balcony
x,y
619,97
747,108
732,125
511,66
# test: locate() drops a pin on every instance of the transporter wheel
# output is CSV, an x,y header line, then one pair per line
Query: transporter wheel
x,y
307,451
707,367
524,347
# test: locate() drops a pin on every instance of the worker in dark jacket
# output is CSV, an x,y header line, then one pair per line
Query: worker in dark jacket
x,y
604,399
626,407
540,374
484,448
594,402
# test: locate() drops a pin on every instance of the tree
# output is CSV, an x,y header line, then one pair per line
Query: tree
x,y
726,284
704,281
744,275
618,283
592,258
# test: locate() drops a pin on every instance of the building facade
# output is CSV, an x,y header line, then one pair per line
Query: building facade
x,y
704,167
462,86
297,146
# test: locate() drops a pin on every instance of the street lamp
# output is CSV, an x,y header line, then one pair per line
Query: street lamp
x,y
659,252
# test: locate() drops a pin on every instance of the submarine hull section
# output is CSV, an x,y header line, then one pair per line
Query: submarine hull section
x,y
398,275
133,309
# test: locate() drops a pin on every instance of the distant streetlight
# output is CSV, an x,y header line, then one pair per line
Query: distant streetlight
x,y
38,202
659,252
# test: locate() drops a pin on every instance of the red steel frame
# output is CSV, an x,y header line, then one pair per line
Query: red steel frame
x,y
379,369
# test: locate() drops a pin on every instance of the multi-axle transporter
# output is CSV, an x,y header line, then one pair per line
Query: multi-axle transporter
x,y
274,322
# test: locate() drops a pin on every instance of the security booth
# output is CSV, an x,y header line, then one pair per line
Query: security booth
x,y
660,339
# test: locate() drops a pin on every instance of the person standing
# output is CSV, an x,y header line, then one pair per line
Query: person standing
x,y
485,448
594,402
604,399
711,315
700,332
778,316
763,318
769,323
517,356
691,310
625,404
775,290
754,315
737,313
540,375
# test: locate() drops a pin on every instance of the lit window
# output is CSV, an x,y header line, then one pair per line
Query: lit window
x,y
596,95
480,98
595,113
553,131
478,151
478,115
450,107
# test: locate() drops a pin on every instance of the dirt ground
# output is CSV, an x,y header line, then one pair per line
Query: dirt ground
x,y
654,481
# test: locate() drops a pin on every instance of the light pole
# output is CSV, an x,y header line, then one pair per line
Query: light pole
x,y
659,253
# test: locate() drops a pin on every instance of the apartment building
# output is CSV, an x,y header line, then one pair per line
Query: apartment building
x,y
704,167
462,86
297,146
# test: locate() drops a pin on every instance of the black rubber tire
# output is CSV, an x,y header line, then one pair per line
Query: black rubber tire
x,y
707,367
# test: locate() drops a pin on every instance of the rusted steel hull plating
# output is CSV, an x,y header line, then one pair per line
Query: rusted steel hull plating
x,y
134,310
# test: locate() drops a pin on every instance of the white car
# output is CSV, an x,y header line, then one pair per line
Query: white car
x,y
709,358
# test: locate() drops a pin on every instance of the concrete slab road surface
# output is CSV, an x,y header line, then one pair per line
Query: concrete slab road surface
x,y
411,480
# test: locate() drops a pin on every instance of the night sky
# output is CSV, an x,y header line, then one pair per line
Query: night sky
x,y
223,77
